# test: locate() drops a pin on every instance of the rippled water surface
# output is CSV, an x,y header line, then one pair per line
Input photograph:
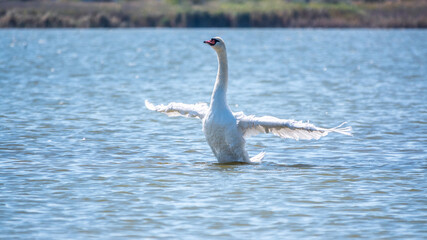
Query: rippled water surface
x,y
81,157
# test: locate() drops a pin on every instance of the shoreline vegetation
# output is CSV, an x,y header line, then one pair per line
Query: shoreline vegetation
x,y
211,13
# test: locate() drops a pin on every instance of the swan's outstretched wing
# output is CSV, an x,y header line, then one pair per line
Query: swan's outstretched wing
x,y
173,109
251,125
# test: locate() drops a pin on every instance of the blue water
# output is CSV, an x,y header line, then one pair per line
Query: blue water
x,y
81,157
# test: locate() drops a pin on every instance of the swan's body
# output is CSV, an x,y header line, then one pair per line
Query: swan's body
x,y
225,131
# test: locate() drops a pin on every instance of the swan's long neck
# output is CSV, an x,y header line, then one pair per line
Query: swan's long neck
x,y
220,89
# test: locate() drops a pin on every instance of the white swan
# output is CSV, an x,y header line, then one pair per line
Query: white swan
x,y
226,131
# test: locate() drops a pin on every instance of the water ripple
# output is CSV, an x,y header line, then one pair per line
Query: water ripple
x,y
82,158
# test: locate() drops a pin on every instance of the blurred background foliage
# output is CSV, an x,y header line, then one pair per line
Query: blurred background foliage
x,y
214,13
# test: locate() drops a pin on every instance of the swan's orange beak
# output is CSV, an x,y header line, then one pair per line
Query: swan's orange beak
x,y
210,42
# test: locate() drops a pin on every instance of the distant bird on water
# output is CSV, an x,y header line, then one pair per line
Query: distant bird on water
x,y
226,131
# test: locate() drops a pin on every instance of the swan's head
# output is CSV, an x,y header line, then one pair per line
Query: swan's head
x,y
216,43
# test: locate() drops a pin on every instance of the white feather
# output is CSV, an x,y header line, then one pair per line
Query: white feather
x,y
284,128
175,109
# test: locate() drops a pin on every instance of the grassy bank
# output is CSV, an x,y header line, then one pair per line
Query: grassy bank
x,y
264,13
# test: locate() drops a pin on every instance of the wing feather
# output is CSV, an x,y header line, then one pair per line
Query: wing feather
x,y
174,109
285,128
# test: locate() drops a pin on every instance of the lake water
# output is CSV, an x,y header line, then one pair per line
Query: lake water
x,y
81,157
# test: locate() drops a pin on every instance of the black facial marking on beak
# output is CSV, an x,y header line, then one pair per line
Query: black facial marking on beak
x,y
211,42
